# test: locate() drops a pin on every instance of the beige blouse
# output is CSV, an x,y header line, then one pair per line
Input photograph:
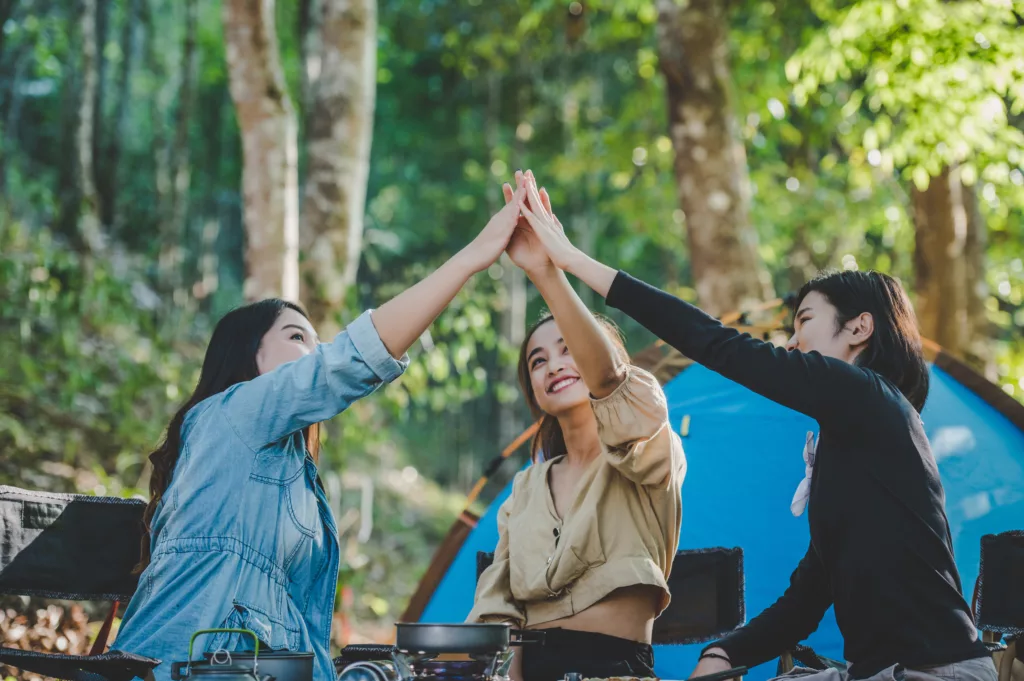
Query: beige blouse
x,y
621,530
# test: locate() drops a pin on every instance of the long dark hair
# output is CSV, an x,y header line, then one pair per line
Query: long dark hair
x,y
549,440
230,358
894,349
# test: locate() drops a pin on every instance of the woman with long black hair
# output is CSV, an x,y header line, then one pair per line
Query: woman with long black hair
x,y
880,549
239,533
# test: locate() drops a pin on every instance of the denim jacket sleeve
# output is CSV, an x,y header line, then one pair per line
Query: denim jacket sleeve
x,y
311,389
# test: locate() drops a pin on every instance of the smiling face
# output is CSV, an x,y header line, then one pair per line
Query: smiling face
x,y
291,337
554,378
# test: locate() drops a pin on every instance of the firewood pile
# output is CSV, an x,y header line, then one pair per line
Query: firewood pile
x,y
45,626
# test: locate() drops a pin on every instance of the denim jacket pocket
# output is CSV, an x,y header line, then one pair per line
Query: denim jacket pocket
x,y
283,477
272,633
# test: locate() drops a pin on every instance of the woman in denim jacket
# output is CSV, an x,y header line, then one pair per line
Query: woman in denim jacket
x,y
240,533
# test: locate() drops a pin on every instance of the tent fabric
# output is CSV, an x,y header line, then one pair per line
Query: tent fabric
x,y
744,455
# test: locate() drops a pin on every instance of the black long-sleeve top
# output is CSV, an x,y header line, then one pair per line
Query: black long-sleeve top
x,y
880,548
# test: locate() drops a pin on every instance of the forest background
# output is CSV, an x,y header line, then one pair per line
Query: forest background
x,y
162,161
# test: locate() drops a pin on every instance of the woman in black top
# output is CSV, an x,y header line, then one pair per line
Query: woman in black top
x,y
880,550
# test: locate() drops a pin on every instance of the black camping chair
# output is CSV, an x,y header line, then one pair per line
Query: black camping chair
x,y
72,547
707,590
998,602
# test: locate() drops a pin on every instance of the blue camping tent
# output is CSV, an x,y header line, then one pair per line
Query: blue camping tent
x,y
744,455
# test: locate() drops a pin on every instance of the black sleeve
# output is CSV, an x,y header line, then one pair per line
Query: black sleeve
x,y
807,382
785,622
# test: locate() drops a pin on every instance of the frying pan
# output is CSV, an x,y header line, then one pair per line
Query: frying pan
x,y
472,639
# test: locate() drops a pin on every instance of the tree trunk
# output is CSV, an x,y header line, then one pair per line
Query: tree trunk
x,y
710,165
939,263
106,183
980,353
99,101
179,173
949,267
266,120
88,219
341,73
6,11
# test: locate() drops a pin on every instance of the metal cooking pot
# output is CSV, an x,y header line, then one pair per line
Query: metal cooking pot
x,y
283,665
220,666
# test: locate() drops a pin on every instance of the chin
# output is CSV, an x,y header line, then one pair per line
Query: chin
x,y
567,400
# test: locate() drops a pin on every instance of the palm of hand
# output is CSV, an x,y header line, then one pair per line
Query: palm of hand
x,y
525,250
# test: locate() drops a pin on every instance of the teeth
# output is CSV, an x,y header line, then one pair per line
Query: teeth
x,y
561,384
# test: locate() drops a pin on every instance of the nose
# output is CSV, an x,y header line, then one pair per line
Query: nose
x,y
555,366
792,343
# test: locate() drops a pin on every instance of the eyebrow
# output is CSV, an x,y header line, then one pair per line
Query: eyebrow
x,y
296,326
802,310
538,349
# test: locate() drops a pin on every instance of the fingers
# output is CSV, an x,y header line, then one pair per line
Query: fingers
x,y
538,223
506,190
533,196
546,201
514,201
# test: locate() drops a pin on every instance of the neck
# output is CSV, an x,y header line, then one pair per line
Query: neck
x,y
579,428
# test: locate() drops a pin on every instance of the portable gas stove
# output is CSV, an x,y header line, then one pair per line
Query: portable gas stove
x,y
380,663
425,652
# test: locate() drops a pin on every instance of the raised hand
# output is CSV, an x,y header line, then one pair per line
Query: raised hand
x,y
489,244
524,249
545,226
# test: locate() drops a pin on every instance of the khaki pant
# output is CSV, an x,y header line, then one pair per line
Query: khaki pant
x,y
978,669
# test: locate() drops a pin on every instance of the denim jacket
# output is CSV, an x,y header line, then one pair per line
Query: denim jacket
x,y
244,536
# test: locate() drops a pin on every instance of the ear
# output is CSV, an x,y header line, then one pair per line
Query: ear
x,y
861,328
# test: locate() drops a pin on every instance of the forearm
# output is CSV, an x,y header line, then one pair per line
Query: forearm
x,y
793,617
404,318
591,272
810,383
592,350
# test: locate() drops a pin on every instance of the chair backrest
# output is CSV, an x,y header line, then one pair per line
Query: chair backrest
x,y
707,590
999,592
68,546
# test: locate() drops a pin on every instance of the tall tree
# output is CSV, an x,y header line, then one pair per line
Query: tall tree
x,y
267,122
106,180
710,161
178,168
88,221
341,79
948,265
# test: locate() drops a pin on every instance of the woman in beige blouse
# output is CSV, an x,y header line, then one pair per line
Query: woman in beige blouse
x,y
587,538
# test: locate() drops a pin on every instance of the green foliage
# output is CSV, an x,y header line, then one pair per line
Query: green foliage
x,y
922,83
88,371
839,106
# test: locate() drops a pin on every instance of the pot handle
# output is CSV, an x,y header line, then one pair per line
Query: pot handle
x,y
188,665
526,637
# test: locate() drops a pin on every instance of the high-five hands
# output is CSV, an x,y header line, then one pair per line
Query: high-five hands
x,y
538,230
492,240
538,233
525,249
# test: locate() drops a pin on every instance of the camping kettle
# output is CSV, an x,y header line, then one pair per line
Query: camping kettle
x,y
219,667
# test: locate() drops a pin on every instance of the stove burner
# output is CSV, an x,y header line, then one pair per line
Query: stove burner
x,y
376,663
